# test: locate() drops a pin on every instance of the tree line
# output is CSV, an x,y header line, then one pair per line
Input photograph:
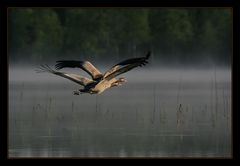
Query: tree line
x,y
172,34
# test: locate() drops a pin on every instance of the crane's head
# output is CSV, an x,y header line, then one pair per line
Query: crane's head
x,y
122,80
119,82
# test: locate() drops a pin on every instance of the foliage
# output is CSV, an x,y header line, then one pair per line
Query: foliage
x,y
184,34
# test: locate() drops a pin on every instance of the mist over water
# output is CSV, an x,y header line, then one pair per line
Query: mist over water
x,y
159,112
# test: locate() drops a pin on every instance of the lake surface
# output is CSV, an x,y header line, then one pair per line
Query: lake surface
x,y
157,113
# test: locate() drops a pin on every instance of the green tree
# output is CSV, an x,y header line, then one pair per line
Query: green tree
x,y
48,33
183,34
136,29
20,23
35,33
171,30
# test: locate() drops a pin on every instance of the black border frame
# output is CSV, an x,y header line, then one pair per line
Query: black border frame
x,y
121,3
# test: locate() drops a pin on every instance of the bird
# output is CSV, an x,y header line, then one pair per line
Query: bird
x,y
99,82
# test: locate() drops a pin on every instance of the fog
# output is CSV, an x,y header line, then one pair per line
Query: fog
x,y
158,112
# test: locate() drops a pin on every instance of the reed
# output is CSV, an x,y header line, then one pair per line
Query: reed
x,y
212,118
33,115
21,92
72,106
162,114
96,104
216,94
179,115
216,108
224,103
112,115
179,105
50,104
106,113
179,89
96,110
154,105
136,114
228,107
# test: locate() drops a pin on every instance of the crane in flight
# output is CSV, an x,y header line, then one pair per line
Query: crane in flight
x,y
99,82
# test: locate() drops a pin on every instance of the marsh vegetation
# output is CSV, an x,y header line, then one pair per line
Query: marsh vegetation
x,y
157,113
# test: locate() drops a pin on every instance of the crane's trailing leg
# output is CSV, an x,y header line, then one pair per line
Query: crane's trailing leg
x,y
76,92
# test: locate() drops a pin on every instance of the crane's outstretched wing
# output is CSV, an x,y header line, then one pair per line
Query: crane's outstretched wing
x,y
85,65
125,66
73,77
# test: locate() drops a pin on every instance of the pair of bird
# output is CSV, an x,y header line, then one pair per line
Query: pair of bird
x,y
99,82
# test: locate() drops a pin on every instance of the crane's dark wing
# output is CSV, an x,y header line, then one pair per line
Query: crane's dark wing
x,y
125,66
73,77
85,65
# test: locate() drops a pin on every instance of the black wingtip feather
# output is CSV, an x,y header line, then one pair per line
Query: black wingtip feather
x,y
67,63
148,54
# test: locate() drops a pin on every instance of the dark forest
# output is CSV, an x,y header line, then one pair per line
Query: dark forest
x,y
183,35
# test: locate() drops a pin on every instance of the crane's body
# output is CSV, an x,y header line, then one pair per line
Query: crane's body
x,y
99,82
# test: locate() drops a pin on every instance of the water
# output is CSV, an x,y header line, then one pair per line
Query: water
x,y
157,113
